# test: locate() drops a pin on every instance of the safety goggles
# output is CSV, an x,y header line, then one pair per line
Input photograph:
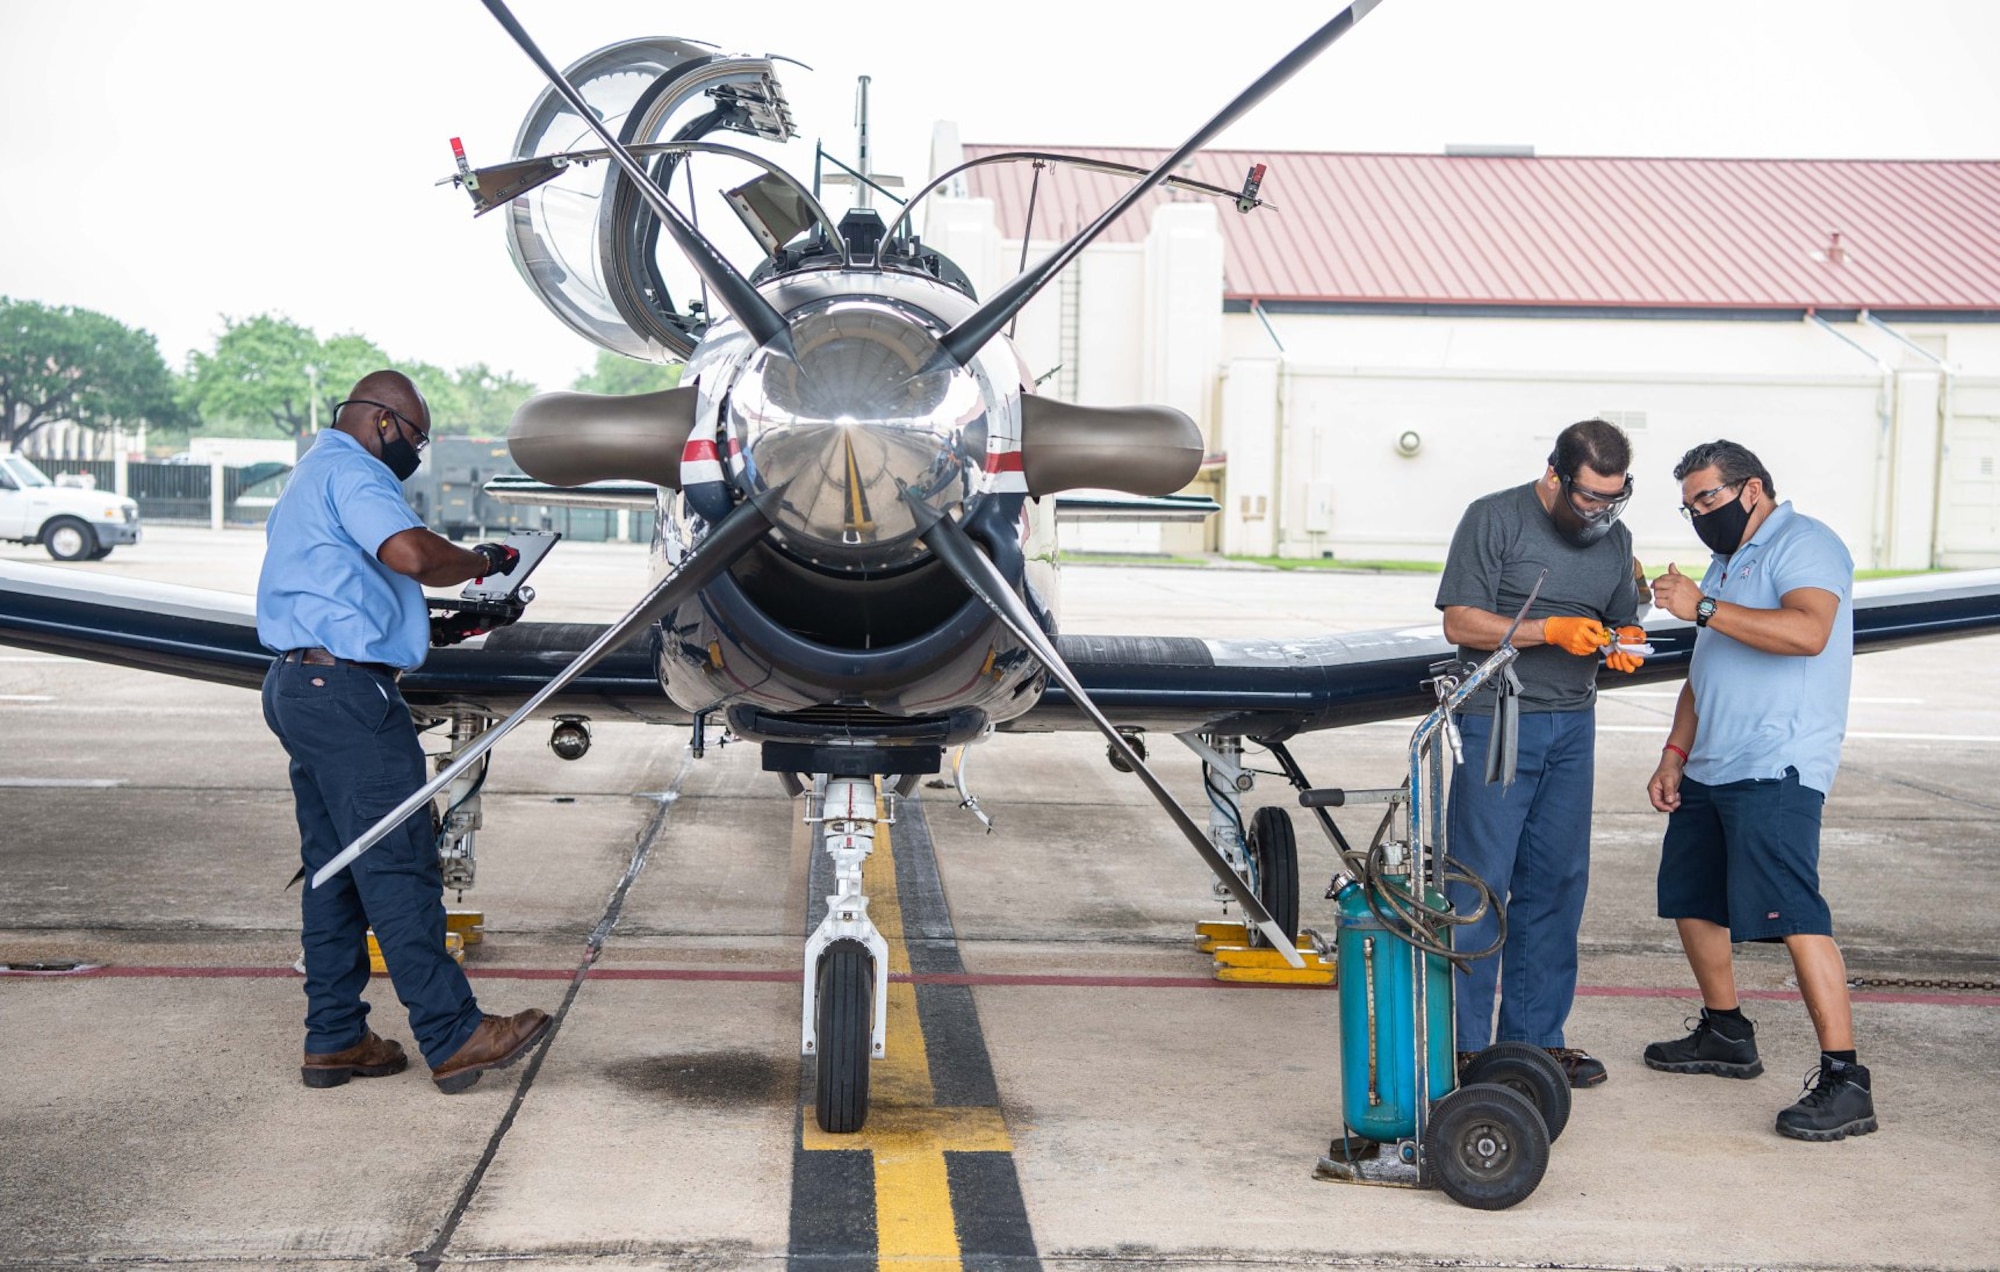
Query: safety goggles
x,y
1596,505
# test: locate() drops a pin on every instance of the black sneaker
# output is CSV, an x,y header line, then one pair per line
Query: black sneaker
x,y
1579,1066
1718,1045
1835,1104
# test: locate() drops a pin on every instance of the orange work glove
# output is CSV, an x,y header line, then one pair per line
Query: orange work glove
x,y
1618,660
1579,636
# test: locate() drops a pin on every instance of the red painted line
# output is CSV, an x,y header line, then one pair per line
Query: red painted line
x,y
1003,461
1792,995
995,979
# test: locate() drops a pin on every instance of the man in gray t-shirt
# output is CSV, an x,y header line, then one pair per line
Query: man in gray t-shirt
x,y
1530,841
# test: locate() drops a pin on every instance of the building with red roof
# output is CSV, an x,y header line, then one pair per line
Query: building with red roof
x,y
1394,335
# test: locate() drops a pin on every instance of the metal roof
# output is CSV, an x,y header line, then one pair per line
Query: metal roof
x,y
1460,231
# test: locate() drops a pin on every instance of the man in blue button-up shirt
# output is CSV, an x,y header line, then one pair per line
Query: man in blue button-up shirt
x,y
341,602
1745,771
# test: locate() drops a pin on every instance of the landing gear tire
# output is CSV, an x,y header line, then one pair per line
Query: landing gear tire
x,y
100,554
68,539
1486,1146
1528,1071
1275,850
844,999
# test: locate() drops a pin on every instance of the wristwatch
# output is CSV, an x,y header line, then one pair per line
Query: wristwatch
x,y
1704,610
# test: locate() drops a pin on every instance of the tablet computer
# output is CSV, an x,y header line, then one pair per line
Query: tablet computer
x,y
533,545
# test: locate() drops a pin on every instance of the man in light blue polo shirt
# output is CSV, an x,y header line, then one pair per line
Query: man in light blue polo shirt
x,y
341,602
1745,771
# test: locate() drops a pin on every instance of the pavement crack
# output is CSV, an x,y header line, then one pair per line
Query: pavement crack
x,y
432,1256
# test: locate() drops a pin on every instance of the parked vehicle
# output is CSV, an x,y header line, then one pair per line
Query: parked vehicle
x,y
73,523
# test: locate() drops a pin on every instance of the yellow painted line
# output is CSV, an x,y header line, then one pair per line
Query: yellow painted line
x,y
857,505
902,1077
907,1133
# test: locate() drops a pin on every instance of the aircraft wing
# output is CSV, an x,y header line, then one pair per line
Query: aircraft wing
x,y
200,634
1256,688
1271,689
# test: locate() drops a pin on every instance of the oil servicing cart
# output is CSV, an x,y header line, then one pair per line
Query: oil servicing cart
x,y
1410,1119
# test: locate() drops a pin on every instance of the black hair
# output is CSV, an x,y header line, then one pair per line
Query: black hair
x,y
1598,443
1731,460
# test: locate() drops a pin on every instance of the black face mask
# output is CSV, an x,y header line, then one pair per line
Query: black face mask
x,y
1721,530
399,455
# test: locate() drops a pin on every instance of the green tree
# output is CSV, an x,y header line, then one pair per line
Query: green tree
x,y
616,373
269,370
474,401
64,363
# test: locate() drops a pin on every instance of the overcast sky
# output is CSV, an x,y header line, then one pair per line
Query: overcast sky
x,y
172,163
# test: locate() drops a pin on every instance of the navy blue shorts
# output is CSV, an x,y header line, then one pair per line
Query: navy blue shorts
x,y
1745,856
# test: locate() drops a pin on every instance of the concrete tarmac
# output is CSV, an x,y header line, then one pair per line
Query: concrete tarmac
x,y
1140,1113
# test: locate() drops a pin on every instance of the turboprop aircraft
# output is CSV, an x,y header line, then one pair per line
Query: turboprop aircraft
x,y
857,494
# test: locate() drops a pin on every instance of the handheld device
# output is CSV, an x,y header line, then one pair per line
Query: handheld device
x,y
506,595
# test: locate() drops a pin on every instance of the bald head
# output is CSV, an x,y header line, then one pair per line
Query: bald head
x,y
371,393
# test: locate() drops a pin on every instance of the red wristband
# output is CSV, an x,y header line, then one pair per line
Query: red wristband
x,y
1677,751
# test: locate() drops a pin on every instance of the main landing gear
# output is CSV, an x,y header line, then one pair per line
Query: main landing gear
x,y
1266,852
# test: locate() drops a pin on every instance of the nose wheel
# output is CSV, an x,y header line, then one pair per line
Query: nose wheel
x,y
844,1013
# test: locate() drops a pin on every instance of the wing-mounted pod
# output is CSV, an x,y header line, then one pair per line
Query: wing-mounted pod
x,y
584,237
568,439
1140,450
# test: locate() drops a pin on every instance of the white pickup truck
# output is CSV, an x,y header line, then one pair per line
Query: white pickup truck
x,y
74,524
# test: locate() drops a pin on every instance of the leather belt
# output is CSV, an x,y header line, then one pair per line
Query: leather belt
x,y
317,657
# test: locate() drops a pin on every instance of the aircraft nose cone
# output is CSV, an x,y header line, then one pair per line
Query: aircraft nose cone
x,y
859,411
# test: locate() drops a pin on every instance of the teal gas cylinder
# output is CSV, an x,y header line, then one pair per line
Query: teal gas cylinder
x,y
1378,1047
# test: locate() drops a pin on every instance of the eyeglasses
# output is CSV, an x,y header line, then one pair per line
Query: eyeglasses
x,y
423,438
1706,501
1596,505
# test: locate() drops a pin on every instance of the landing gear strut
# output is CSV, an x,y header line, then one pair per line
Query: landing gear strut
x,y
847,961
1266,855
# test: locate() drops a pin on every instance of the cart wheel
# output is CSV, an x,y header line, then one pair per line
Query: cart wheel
x,y
1486,1147
845,999
1530,1071
1276,852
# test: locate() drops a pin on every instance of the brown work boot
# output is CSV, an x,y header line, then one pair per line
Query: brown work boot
x,y
1579,1066
372,1057
498,1042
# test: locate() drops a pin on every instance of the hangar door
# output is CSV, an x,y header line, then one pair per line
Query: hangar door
x,y
1969,521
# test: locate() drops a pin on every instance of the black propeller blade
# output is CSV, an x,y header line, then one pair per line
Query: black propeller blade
x,y
964,559
971,335
744,302
730,539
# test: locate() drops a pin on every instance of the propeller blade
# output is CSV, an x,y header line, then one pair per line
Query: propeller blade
x,y
971,335
745,303
730,539
964,559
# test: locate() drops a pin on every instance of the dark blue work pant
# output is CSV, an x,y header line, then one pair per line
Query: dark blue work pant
x,y
1530,842
354,758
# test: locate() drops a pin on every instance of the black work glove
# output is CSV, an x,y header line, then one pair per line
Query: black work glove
x,y
450,629
499,558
